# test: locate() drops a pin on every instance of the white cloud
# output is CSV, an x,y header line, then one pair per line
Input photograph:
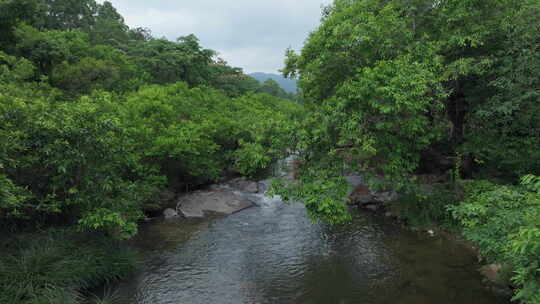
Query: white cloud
x,y
252,34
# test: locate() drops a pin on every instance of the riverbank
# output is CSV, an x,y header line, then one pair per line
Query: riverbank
x,y
60,266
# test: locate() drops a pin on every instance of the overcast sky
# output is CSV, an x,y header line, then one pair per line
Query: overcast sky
x,y
252,34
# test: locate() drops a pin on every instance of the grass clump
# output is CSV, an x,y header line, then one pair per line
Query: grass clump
x,y
59,267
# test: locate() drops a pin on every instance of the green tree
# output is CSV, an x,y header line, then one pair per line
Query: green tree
x,y
46,49
503,129
231,80
271,87
74,161
109,27
386,82
108,69
13,12
168,62
69,14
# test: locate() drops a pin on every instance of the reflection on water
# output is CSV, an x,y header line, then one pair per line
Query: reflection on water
x,y
274,253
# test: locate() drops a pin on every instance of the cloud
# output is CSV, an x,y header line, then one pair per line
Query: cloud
x,y
252,34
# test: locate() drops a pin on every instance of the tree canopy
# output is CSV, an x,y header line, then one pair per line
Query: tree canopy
x,y
390,83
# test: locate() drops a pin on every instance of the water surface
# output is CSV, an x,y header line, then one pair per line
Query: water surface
x,y
274,253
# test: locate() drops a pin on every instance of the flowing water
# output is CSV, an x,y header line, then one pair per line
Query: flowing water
x,y
274,253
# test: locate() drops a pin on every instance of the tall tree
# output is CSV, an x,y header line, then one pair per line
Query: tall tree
x,y
109,27
70,14
167,61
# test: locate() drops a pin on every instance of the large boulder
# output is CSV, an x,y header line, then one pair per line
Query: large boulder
x,y
217,200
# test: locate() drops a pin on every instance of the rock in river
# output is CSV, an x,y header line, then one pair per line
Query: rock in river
x,y
361,194
170,213
243,185
220,200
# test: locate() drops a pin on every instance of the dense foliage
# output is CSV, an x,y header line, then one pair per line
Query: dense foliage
x,y
397,89
503,221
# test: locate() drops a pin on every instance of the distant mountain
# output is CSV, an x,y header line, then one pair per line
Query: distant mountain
x,y
289,85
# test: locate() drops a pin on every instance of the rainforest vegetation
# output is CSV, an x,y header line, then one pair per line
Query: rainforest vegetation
x,y
97,119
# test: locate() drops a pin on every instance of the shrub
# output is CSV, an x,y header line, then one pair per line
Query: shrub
x,y
504,222
426,205
71,162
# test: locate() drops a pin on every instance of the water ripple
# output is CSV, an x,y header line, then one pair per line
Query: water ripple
x,y
274,253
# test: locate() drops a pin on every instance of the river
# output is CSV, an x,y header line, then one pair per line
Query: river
x,y
274,253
